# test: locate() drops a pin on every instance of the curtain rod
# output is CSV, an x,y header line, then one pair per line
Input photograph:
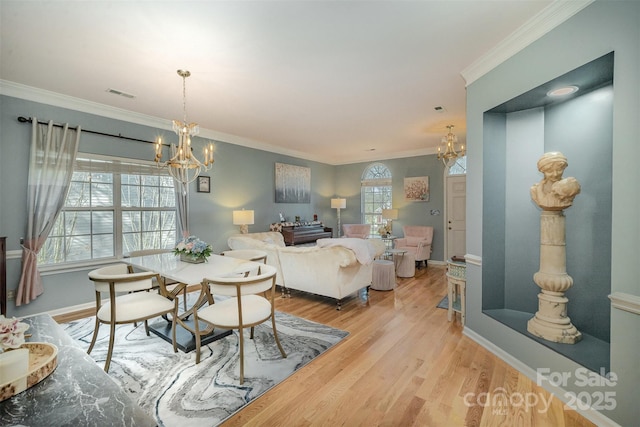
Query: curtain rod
x,y
30,120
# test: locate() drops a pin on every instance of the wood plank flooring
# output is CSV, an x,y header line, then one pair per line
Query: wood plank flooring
x,y
403,364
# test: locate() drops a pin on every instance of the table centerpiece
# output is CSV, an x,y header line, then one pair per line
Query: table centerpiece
x,y
192,249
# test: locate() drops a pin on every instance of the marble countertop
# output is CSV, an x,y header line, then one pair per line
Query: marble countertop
x,y
78,392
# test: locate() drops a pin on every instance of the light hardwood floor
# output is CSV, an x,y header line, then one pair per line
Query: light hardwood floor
x,y
403,364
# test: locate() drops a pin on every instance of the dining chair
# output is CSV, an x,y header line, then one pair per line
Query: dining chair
x,y
131,299
245,307
248,254
172,286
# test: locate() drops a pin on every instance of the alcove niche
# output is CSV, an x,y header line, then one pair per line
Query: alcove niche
x,y
516,133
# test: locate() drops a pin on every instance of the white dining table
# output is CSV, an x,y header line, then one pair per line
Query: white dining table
x,y
169,266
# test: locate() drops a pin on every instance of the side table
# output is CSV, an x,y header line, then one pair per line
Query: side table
x,y
456,289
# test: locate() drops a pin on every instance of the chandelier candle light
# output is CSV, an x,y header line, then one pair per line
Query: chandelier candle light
x,y
183,166
449,151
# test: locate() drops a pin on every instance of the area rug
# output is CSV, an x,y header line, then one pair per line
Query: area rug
x,y
175,391
444,303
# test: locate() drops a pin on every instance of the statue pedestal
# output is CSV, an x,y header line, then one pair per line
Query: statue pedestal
x,y
551,321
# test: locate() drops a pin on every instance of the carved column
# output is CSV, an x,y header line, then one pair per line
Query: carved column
x,y
551,321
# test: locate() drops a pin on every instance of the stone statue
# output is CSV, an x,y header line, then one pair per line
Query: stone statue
x,y
553,194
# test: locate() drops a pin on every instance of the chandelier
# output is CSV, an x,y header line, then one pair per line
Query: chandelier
x,y
449,150
183,165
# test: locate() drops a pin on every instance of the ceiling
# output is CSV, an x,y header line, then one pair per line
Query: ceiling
x,y
332,81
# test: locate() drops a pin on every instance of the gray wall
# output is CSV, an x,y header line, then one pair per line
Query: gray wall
x,y
409,213
241,178
593,32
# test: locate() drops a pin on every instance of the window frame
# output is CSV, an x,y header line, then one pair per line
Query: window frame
x,y
117,167
369,181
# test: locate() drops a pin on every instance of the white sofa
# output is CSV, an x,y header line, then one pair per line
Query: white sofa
x,y
333,270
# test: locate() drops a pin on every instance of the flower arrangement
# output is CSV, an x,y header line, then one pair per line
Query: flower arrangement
x,y
192,247
384,230
11,333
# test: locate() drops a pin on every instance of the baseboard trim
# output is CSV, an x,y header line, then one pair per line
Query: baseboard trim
x,y
592,415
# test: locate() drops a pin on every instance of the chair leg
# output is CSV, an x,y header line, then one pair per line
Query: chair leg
x,y
146,326
251,336
275,335
112,334
241,338
95,335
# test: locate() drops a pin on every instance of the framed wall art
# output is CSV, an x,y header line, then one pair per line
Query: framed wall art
x,y
416,189
204,184
293,184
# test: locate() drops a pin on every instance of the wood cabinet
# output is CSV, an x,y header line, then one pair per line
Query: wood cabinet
x,y
3,275
297,234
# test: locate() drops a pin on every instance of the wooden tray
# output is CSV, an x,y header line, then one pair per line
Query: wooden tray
x,y
43,360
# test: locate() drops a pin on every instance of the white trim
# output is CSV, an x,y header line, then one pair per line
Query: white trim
x,y
72,309
473,259
594,416
626,302
543,22
17,90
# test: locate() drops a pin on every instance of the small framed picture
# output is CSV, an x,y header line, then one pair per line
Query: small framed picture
x,y
204,184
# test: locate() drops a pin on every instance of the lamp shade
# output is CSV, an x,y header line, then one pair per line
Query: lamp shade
x,y
243,217
390,213
338,203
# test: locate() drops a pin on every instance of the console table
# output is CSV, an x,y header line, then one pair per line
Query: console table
x,y
78,392
296,234
457,289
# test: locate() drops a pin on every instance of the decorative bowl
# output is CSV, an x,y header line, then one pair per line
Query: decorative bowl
x,y
43,360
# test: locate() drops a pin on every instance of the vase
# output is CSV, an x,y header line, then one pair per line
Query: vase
x,y
193,259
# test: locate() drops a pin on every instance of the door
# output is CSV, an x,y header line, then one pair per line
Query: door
x,y
456,215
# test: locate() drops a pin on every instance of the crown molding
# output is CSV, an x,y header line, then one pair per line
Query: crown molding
x,y
29,93
546,20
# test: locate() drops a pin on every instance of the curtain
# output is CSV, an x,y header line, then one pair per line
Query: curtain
x,y
182,202
53,150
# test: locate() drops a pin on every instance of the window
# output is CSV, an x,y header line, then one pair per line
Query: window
x,y
113,207
459,167
376,195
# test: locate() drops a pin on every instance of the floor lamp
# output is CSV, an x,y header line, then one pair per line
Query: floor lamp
x,y
338,204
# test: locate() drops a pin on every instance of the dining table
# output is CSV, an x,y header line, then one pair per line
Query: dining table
x,y
187,274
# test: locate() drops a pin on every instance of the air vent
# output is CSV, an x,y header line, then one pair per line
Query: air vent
x,y
120,93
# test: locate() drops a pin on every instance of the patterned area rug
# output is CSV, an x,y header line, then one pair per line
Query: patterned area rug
x,y
176,392
444,303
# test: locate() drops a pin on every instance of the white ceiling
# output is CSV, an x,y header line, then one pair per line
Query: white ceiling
x,y
332,81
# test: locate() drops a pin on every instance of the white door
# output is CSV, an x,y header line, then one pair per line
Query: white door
x,y
456,215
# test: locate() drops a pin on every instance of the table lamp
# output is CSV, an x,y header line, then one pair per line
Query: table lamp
x,y
243,219
389,215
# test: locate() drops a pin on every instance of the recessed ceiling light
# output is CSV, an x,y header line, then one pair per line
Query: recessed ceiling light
x,y
371,149
563,91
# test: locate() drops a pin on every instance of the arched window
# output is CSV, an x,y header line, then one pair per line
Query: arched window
x,y
376,195
459,167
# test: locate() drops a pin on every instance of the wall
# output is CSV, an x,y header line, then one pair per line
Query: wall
x,y
593,32
241,178
348,179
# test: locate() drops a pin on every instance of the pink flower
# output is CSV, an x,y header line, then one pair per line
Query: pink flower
x,y
11,333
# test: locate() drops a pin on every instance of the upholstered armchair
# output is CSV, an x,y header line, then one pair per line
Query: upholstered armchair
x,y
417,240
356,230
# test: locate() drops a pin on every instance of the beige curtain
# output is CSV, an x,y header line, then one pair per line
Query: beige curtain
x,y
53,150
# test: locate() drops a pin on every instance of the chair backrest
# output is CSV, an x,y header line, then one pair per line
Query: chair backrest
x,y
119,274
248,254
361,231
243,281
417,233
145,252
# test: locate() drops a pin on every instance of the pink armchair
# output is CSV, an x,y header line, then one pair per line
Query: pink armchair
x,y
356,230
417,240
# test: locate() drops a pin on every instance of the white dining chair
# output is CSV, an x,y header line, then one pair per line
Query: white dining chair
x,y
245,307
131,299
